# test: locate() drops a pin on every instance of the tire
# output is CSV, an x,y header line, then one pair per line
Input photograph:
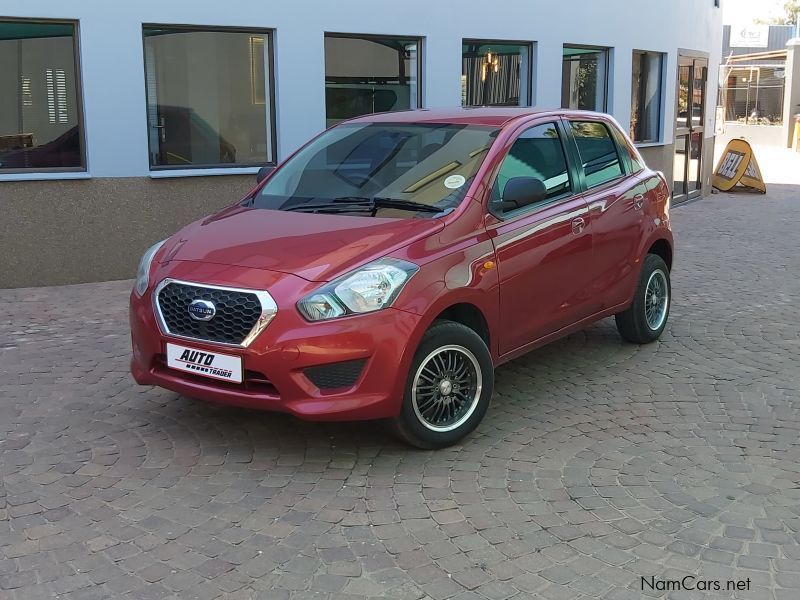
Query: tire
x,y
644,322
450,358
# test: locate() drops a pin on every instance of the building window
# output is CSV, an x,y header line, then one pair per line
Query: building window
x,y
584,78
208,97
41,126
598,152
369,74
495,73
646,96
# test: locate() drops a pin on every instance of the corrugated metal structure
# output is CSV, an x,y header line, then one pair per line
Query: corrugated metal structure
x,y
778,36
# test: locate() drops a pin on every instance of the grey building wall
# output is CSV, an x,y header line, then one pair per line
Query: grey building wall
x,y
74,231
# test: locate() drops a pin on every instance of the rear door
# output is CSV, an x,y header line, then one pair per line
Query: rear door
x,y
543,249
615,196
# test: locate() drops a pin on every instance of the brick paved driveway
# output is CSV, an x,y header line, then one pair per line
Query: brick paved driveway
x,y
599,462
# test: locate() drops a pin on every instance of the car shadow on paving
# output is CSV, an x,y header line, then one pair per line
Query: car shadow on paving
x,y
599,462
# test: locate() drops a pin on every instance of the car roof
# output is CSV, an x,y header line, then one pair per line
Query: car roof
x,y
480,115
494,116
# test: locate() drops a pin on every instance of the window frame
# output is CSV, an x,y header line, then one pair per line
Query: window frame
x,y
606,52
529,45
622,157
572,172
627,149
663,57
269,95
420,40
79,105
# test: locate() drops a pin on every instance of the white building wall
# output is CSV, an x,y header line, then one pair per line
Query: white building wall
x,y
112,63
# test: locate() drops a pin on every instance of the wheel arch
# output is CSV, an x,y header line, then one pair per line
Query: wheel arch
x,y
661,247
469,315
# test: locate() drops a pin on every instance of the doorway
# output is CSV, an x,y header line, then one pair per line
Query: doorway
x,y
689,127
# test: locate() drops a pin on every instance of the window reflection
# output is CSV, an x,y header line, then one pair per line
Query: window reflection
x,y
646,96
366,75
40,124
598,152
584,78
537,153
683,95
207,97
698,94
495,74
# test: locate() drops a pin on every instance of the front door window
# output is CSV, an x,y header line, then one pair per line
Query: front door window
x,y
539,153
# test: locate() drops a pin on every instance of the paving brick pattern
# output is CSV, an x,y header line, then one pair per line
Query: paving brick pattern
x,y
599,462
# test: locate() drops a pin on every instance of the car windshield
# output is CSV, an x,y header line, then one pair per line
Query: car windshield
x,y
398,170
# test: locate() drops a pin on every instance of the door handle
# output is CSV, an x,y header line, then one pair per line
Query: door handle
x,y
162,130
578,225
638,201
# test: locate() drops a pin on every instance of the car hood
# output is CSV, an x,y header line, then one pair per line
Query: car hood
x,y
316,247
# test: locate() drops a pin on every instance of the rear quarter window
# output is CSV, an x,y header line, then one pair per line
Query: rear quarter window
x,y
636,162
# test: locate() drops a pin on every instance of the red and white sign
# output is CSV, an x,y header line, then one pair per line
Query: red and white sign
x,y
225,367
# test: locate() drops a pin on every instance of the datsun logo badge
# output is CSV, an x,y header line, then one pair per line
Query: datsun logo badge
x,y
202,310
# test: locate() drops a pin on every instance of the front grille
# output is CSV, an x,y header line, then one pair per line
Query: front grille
x,y
336,375
237,312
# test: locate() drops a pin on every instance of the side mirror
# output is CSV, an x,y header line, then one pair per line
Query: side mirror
x,y
522,191
263,172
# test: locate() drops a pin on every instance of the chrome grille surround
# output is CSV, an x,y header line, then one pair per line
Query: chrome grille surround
x,y
268,310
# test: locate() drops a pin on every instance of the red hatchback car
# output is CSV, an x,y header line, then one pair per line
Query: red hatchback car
x,y
386,268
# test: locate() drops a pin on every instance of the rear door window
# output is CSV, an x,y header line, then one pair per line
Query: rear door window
x,y
598,152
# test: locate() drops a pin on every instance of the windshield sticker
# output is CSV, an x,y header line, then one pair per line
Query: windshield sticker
x,y
454,182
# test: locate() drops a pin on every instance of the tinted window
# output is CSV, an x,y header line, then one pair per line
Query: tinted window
x,y
495,73
40,120
207,97
366,75
636,163
584,78
598,152
538,153
646,96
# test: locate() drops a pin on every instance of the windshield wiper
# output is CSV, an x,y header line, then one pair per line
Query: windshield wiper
x,y
366,203
330,208
380,202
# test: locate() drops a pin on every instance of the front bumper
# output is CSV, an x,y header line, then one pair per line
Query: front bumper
x,y
275,363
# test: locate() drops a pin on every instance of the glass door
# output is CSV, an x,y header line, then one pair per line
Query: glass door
x,y
689,127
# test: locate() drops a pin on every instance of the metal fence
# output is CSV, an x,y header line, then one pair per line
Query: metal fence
x,y
754,95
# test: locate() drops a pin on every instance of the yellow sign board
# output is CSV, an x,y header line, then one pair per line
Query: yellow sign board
x,y
738,166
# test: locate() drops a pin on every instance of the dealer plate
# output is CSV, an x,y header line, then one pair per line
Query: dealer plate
x,y
214,365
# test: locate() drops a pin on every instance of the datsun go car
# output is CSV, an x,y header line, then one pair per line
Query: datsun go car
x,y
387,267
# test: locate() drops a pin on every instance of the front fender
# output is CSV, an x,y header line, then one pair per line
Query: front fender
x,y
468,276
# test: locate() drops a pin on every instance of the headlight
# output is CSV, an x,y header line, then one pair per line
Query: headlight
x,y
143,274
370,288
